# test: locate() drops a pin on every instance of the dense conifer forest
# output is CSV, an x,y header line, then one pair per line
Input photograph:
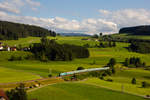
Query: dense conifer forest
x,y
13,31
137,30
51,50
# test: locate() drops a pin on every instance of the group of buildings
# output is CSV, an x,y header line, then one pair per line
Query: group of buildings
x,y
7,48
12,48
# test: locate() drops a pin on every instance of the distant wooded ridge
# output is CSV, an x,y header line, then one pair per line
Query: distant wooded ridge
x,y
74,34
13,31
137,30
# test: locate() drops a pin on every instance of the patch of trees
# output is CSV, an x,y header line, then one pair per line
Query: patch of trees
x,y
102,45
134,62
125,39
111,64
13,31
133,81
137,30
140,47
80,68
51,50
144,84
18,56
97,36
19,93
107,44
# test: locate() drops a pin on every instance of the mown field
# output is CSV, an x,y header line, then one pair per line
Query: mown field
x,y
78,91
122,81
10,75
100,56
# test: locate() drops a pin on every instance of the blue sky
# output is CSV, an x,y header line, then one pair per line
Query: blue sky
x,y
80,9
87,16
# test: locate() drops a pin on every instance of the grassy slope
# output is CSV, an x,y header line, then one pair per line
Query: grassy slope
x,y
100,55
76,91
9,75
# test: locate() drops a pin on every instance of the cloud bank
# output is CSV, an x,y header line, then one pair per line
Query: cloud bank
x,y
108,21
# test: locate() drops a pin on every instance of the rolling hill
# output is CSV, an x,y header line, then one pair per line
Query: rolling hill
x,y
137,30
78,91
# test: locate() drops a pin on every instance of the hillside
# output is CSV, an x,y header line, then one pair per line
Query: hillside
x,y
13,31
137,30
76,91
99,57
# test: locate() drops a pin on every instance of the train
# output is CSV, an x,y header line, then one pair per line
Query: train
x,y
82,71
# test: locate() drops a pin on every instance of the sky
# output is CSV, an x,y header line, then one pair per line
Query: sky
x,y
77,16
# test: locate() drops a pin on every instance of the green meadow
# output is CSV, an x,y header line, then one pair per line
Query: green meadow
x,y
122,81
100,56
78,91
10,75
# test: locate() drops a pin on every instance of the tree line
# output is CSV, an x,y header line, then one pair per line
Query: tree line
x,y
51,50
134,62
140,47
101,45
13,31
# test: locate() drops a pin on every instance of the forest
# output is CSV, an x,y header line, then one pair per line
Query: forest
x,y
51,50
137,30
140,47
13,31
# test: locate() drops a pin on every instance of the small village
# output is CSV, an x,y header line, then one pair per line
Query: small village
x,y
4,47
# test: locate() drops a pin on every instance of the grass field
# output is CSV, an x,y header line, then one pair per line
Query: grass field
x,y
100,55
78,91
10,75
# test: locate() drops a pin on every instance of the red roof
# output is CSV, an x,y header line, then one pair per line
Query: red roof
x,y
2,94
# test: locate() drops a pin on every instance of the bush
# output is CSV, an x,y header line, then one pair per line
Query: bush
x,y
15,58
50,75
18,93
80,68
112,62
113,70
144,84
109,80
133,81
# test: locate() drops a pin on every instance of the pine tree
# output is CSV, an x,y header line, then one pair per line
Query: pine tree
x,y
133,81
109,44
126,63
114,44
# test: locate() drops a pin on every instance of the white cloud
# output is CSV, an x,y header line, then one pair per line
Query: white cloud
x,y
14,6
64,25
10,6
129,17
109,21
104,12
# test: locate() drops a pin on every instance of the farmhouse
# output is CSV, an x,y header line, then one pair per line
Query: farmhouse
x,y
13,49
1,46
